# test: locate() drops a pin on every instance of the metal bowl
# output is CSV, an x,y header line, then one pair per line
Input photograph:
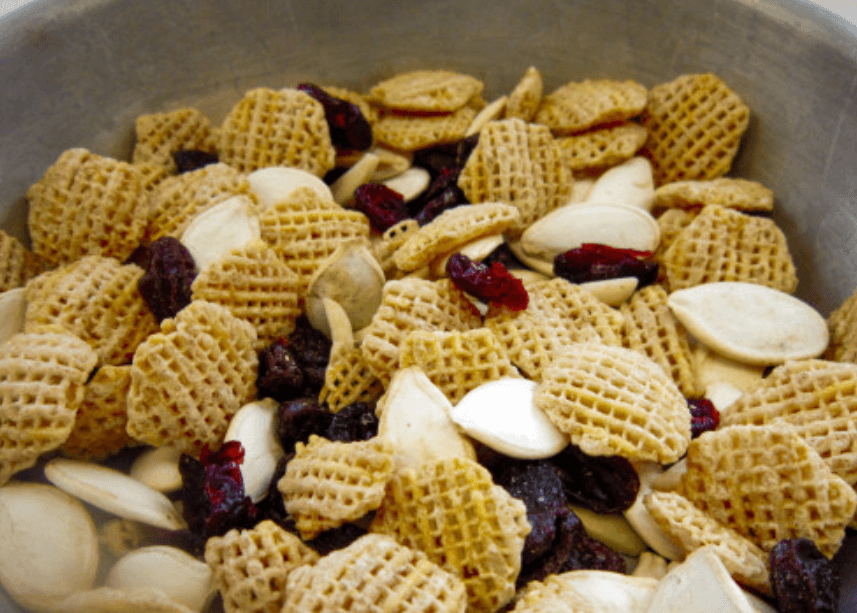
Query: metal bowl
x,y
77,72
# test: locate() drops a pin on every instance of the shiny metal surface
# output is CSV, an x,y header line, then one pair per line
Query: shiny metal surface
x,y
76,73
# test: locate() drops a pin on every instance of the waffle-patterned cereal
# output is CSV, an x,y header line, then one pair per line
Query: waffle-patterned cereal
x,y
412,132
615,401
384,249
601,148
159,135
250,567
524,100
577,106
42,379
519,164
433,91
842,325
348,379
276,128
191,377
17,264
451,510
329,483
87,204
695,124
739,194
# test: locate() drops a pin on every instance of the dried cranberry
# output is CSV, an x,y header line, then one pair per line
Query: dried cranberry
x,y
491,284
593,262
349,129
311,348
607,484
437,159
803,579
383,206
337,538
356,422
704,416
443,194
298,419
280,375
193,159
165,285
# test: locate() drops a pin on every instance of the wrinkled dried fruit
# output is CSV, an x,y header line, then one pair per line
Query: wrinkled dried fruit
x,y
383,206
298,419
311,348
273,506
437,159
593,262
443,194
704,416
170,271
505,256
280,375
356,422
803,579
349,129
193,159
606,484
492,284
337,538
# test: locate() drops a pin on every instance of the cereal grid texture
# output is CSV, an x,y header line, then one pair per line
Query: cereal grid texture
x,y
374,574
524,100
276,128
601,148
768,484
329,483
191,377
818,399
695,124
615,401
250,567
519,164
256,286
670,223
86,204
355,98
842,325
452,229
348,380
451,510
17,264
724,245
457,362
42,379
159,135
652,329
691,528
426,91
408,305
96,299
384,248
99,427
412,132
739,194
559,315
574,107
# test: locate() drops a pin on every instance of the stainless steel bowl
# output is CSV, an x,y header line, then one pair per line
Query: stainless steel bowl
x,y
77,72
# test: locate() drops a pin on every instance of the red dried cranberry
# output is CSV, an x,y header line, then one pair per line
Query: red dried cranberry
x,y
704,416
356,422
298,419
311,348
193,159
383,206
349,129
491,284
593,262
165,285
803,579
607,484
280,375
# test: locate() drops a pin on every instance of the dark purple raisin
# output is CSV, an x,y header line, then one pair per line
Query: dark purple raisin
x,y
465,148
803,579
383,206
337,538
505,256
165,284
492,284
605,484
311,348
356,422
140,257
443,194
437,159
349,129
280,374
298,419
593,262
188,160
704,416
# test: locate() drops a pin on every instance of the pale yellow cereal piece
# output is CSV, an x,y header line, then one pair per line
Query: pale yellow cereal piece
x,y
524,100
160,135
384,248
600,148
17,264
348,379
842,325
577,106
426,91
412,132
739,194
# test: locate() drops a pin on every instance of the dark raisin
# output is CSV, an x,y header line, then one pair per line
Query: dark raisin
x,y
337,538
443,194
606,484
349,129
311,348
803,579
273,506
165,285
298,419
593,262
492,284
383,206
280,375
140,257
505,256
188,160
356,422
465,148
704,416
438,158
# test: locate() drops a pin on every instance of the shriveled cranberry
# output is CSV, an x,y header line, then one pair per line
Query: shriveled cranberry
x,y
704,416
443,194
311,348
505,256
594,262
491,284
193,159
280,375
165,285
356,422
803,579
607,484
383,206
437,158
337,538
298,419
349,129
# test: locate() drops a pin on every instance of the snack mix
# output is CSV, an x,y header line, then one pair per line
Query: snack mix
x,y
286,329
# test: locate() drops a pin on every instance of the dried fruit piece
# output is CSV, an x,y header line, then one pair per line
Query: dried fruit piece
x,y
491,284
594,262
298,419
348,127
604,484
311,348
704,416
170,271
383,206
192,159
803,580
280,375
356,422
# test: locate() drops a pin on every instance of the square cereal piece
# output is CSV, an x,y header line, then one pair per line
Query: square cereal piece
x,y
576,107
524,100
430,91
160,135
411,132
600,148
738,194
17,264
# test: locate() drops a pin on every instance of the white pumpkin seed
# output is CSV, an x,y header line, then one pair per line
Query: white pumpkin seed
x,y
612,292
411,183
276,183
477,250
13,307
253,427
220,229
630,183
493,110
343,188
613,530
159,469
643,522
